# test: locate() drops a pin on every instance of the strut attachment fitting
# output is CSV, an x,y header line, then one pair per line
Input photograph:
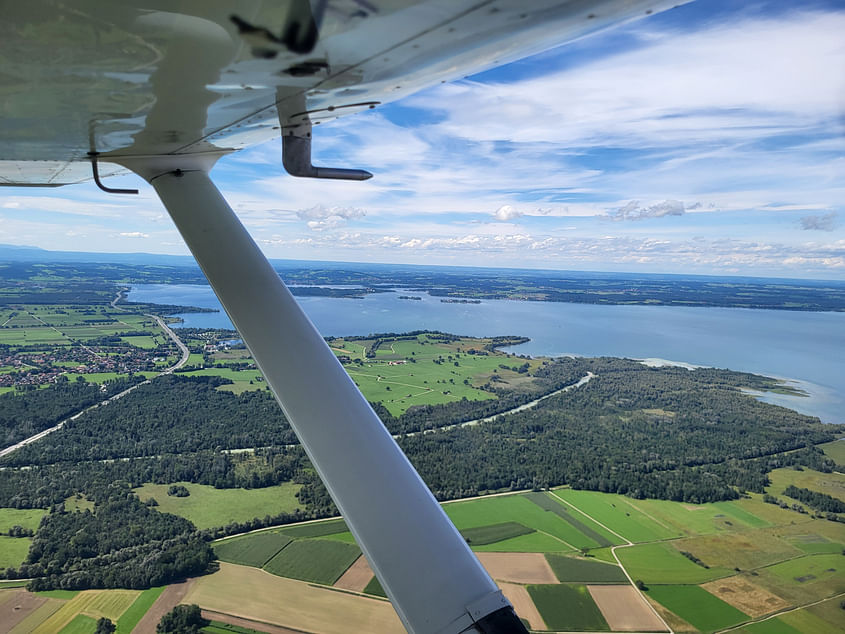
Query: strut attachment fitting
x,y
296,157
108,190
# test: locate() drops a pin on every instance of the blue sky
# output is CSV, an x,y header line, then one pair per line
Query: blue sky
x,y
707,139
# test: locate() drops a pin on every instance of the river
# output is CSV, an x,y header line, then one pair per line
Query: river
x,y
804,347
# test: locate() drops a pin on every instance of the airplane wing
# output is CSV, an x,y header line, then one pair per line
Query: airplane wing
x,y
164,89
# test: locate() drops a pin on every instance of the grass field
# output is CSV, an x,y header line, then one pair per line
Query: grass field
x,y
135,612
483,535
81,624
805,578
813,544
567,607
697,606
822,618
535,542
661,563
568,569
316,560
829,483
208,507
13,551
252,550
516,508
147,342
27,518
697,519
620,513
835,450
744,550
243,380
426,371
583,524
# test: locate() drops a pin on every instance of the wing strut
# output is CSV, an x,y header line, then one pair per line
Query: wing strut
x,y
434,580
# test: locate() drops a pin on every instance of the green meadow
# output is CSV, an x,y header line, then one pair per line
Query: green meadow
x,y
697,606
661,563
208,507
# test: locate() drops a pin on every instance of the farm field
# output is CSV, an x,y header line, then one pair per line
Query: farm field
x,y
516,508
661,563
723,536
252,550
568,607
315,560
569,569
619,512
805,578
697,606
242,591
208,507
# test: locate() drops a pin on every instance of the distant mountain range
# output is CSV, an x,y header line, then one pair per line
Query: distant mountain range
x,y
36,254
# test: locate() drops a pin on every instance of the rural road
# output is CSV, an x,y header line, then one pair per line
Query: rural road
x,y
183,359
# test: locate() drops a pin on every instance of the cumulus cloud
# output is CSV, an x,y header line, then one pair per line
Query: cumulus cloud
x,y
634,211
321,218
820,222
134,234
321,212
506,212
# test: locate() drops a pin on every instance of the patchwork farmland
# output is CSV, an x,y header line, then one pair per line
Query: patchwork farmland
x,y
569,560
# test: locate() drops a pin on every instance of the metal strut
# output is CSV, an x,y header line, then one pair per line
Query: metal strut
x,y
296,157
109,190
436,585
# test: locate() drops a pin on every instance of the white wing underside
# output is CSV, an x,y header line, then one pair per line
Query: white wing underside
x,y
141,78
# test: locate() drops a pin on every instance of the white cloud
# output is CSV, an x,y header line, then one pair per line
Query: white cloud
x,y
133,234
633,210
506,212
321,212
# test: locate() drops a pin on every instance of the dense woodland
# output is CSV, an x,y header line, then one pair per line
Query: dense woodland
x,y
23,414
667,433
122,544
818,501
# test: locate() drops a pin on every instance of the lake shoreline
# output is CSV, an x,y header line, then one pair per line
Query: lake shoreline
x,y
790,345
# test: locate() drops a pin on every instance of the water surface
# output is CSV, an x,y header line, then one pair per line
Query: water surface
x,y
806,347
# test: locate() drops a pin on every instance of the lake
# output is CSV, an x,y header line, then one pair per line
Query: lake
x,y
805,347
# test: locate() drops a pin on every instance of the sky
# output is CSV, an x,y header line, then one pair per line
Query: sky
x,y
707,139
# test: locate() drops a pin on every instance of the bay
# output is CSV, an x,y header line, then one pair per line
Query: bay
x,y
804,347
